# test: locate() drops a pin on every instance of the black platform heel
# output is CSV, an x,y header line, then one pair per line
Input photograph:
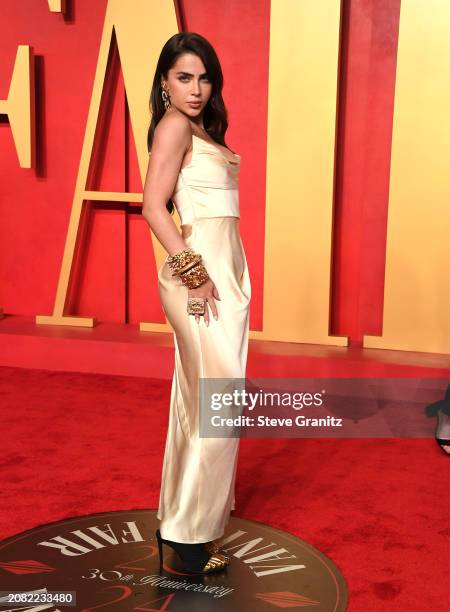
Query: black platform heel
x,y
195,557
441,410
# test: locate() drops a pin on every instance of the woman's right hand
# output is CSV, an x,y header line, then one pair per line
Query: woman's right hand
x,y
207,291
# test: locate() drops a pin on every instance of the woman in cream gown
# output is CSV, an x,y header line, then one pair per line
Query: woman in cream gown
x,y
197,489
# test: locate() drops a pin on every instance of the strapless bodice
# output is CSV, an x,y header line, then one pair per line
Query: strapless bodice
x,y
208,185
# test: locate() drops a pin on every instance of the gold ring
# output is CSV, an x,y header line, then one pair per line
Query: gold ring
x,y
196,305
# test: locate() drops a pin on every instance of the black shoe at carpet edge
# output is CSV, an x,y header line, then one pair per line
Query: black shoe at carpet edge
x,y
195,557
441,409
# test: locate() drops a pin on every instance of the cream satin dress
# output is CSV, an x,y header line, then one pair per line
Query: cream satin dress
x,y
198,477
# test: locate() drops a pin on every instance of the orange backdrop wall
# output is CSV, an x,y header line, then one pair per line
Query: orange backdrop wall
x,y
116,272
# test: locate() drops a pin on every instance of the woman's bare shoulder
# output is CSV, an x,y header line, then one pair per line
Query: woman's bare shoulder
x,y
173,130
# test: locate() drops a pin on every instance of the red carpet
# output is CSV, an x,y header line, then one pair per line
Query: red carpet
x,y
74,444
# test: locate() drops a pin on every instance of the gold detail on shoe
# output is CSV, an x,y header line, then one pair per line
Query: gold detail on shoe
x,y
212,547
216,562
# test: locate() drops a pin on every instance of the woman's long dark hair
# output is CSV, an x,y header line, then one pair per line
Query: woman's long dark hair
x,y
215,116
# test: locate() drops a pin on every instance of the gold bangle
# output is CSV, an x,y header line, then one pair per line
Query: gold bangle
x,y
188,266
195,277
177,261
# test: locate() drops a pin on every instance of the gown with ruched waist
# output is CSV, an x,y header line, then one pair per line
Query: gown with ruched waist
x,y
198,476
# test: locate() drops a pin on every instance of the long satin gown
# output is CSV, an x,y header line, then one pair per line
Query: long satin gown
x,y
198,476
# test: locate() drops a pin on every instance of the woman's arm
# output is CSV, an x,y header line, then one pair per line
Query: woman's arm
x,y
172,138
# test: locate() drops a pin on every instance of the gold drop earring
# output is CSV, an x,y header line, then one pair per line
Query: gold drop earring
x,y
165,96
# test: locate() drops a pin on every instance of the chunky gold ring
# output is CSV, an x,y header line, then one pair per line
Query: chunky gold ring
x,y
196,305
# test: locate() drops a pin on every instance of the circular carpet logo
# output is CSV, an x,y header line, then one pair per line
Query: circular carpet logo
x,y
109,561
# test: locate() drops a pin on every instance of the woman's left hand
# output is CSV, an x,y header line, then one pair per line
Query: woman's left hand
x,y
207,291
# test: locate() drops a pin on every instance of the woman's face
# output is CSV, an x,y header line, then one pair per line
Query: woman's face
x,y
188,83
